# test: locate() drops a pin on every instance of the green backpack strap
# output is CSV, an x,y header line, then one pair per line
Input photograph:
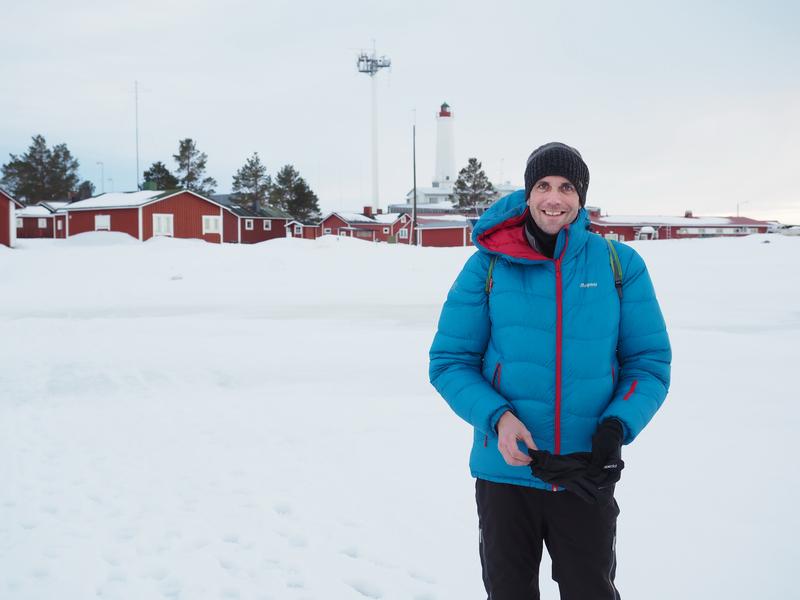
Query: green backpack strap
x,y
616,267
489,280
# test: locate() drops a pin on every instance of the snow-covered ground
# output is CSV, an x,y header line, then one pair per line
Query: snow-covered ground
x,y
184,420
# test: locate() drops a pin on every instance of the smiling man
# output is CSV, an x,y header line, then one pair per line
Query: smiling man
x,y
551,344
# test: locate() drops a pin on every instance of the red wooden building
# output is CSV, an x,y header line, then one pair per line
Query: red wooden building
x,y
8,225
627,228
444,231
36,222
253,225
176,213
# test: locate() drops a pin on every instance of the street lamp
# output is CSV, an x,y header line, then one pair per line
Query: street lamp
x,y
102,177
737,206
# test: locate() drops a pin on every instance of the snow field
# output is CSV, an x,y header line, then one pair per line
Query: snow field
x,y
184,420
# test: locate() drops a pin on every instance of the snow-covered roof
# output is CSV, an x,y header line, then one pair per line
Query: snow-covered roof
x,y
352,217
387,218
53,205
115,200
455,218
33,211
675,221
443,222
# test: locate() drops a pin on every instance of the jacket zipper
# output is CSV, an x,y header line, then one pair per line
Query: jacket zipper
x,y
559,349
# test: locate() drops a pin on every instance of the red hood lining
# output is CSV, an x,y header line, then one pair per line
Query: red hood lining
x,y
508,237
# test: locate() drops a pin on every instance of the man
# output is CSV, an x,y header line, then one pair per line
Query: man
x,y
540,346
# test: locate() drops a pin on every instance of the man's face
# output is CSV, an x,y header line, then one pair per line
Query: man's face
x,y
553,203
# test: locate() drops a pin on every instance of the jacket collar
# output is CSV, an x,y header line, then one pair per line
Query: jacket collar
x,y
501,231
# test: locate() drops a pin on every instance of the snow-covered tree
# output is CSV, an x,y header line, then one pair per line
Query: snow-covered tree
x,y
473,188
251,184
192,168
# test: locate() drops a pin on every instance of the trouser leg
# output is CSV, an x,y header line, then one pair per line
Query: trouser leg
x,y
510,540
581,540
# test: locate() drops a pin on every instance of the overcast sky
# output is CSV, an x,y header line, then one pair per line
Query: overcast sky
x,y
674,105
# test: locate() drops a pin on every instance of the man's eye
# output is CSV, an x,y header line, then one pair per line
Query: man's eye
x,y
567,187
543,186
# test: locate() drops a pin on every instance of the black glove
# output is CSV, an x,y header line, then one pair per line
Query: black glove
x,y
605,464
569,471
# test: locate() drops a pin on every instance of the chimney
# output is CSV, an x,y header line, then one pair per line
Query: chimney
x,y
688,214
367,211
380,211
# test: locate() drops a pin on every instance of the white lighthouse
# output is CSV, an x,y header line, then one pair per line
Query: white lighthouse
x,y
445,149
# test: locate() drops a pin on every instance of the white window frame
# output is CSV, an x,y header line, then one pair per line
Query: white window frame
x,y
59,224
20,223
41,223
298,230
385,230
326,231
212,225
248,224
99,220
169,219
403,233
267,225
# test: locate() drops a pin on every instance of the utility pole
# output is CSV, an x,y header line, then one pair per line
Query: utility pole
x,y
136,115
371,64
102,177
414,160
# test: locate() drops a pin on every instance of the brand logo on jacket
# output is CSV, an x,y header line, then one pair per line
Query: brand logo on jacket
x,y
589,284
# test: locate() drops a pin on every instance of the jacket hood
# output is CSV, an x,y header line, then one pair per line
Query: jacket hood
x,y
500,230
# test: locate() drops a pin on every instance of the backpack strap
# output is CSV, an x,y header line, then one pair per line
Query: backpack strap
x,y
616,267
489,280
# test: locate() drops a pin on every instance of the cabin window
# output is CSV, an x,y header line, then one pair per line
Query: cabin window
x,y
42,223
403,233
298,230
326,231
248,224
102,222
59,225
385,230
163,224
267,225
211,224
19,222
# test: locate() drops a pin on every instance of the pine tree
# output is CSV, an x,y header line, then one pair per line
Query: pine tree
x,y
85,190
291,194
160,177
41,174
192,168
473,188
252,184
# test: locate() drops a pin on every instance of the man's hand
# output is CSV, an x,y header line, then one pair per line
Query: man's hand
x,y
510,430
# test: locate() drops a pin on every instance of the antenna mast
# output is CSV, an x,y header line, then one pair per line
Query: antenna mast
x,y
371,64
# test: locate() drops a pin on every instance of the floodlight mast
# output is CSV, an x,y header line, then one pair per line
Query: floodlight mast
x,y
371,64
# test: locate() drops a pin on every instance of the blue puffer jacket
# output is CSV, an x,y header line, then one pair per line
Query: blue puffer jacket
x,y
551,341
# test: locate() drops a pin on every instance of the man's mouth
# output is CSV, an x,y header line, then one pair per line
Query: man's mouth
x,y
554,213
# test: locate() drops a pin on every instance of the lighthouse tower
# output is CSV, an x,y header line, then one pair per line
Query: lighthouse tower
x,y
445,148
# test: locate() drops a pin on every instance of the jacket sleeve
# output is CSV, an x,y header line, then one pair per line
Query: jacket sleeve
x,y
456,355
643,352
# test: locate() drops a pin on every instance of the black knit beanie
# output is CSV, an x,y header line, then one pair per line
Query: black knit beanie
x,y
559,159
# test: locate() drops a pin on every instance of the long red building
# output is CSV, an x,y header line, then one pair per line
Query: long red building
x,y
628,228
177,213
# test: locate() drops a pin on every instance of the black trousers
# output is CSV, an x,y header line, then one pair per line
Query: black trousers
x,y
580,538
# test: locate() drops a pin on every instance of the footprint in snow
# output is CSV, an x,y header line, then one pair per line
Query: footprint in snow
x,y
366,589
284,509
421,577
351,551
